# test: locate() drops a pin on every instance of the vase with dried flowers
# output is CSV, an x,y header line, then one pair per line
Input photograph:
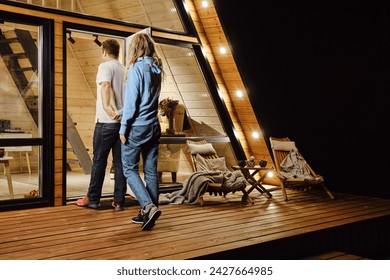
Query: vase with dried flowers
x,y
167,108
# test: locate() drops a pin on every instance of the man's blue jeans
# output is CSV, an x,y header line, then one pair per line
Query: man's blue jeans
x,y
106,139
142,140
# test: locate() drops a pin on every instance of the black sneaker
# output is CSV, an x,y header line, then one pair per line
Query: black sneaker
x,y
150,215
139,219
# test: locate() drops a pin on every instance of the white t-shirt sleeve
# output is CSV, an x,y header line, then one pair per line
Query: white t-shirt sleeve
x,y
104,74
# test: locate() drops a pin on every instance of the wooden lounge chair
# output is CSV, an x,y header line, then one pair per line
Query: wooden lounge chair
x,y
207,152
281,148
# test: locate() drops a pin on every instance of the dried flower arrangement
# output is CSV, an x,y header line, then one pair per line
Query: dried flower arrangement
x,y
167,107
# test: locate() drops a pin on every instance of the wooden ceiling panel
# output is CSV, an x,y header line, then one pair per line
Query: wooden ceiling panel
x,y
182,61
99,7
191,95
188,79
178,70
212,23
199,104
227,67
197,87
174,52
206,13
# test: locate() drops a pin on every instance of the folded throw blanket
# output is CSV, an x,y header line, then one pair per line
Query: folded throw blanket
x,y
196,185
294,166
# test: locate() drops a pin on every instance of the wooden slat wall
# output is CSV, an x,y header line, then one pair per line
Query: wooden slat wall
x,y
83,59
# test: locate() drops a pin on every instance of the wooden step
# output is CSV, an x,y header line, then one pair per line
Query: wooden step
x,y
15,55
23,69
9,40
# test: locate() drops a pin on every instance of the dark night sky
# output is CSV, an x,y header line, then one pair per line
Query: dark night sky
x,y
318,72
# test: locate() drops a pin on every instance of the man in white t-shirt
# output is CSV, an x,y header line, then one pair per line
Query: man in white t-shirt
x,y
110,84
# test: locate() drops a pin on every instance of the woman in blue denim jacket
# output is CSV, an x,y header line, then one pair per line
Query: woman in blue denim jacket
x,y
140,129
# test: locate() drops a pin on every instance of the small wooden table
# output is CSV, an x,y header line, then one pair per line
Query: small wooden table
x,y
20,149
250,172
5,160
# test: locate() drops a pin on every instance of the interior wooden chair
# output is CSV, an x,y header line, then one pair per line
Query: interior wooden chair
x,y
281,148
206,151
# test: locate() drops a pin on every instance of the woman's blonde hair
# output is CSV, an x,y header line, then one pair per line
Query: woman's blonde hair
x,y
142,45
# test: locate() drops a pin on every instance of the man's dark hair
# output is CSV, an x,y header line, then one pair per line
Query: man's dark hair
x,y
111,46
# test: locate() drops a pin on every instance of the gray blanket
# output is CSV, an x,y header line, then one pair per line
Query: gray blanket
x,y
196,185
294,166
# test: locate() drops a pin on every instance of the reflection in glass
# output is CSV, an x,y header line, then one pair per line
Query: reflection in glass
x,y
161,14
20,117
183,81
18,173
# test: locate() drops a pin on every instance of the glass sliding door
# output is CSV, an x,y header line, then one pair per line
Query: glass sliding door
x,y
22,114
184,81
83,56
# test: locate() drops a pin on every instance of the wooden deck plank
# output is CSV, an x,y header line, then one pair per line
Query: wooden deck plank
x,y
182,232
228,213
336,255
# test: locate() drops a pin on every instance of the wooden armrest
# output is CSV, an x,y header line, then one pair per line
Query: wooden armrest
x,y
295,179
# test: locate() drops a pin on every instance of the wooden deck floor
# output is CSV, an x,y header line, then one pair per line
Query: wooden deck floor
x,y
308,224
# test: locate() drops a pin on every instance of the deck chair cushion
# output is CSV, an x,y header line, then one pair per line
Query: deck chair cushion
x,y
284,145
212,164
204,149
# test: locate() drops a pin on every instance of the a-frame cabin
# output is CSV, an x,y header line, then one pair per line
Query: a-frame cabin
x,y
49,56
